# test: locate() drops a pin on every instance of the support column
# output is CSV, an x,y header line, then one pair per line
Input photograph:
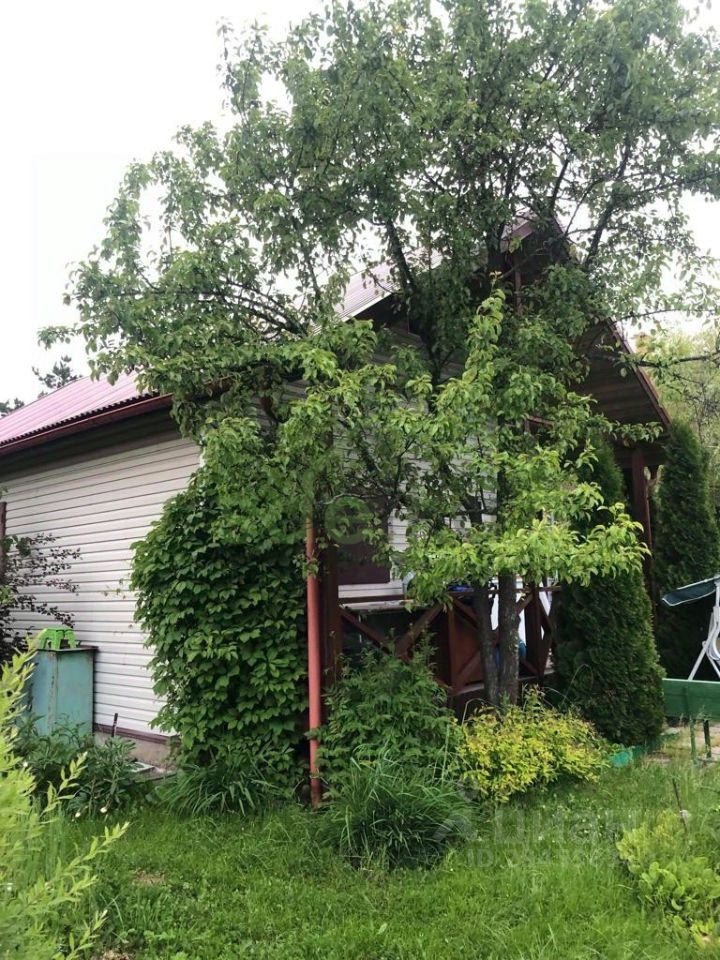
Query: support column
x,y
641,513
536,652
331,616
641,499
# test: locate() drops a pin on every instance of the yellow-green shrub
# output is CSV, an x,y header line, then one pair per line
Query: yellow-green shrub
x,y
505,752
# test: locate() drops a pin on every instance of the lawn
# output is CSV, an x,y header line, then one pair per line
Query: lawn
x,y
540,880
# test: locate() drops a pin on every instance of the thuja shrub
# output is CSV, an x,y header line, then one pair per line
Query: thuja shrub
x,y
511,750
390,708
224,618
606,661
687,547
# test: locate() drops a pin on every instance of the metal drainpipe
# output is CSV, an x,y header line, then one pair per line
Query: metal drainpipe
x,y
314,660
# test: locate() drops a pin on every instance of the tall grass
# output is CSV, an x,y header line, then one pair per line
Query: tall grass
x,y
387,813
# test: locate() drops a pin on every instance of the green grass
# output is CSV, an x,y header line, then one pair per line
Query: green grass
x,y
541,880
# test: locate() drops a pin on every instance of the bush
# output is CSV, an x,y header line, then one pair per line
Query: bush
x,y
224,615
106,780
390,708
109,779
506,752
33,569
48,755
393,814
687,548
605,657
34,901
229,783
672,877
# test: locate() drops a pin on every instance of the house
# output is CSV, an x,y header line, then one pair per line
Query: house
x,y
93,463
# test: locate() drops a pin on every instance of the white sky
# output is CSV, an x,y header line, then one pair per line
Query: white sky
x,y
87,86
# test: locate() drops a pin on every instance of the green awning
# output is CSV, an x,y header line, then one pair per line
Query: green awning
x,y
691,592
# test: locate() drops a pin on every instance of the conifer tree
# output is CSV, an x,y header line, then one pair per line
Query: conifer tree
x,y
605,655
686,547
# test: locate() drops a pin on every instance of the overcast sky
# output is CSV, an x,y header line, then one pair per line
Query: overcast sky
x,y
87,86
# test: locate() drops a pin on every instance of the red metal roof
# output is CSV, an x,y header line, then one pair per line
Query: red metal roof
x,y
76,401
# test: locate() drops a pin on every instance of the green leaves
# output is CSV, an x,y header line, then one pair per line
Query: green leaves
x,y
674,871
224,617
383,710
513,750
396,132
37,893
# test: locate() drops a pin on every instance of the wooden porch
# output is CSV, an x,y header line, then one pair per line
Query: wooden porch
x,y
385,621
450,627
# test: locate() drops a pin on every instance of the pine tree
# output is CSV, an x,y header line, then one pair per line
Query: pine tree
x,y
686,547
605,655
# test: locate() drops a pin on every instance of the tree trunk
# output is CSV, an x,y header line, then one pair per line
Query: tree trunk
x,y
508,622
507,611
482,608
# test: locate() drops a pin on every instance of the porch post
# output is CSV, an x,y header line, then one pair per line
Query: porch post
x,y
641,499
331,616
536,648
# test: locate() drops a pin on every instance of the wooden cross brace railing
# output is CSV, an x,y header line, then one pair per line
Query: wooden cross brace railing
x,y
537,633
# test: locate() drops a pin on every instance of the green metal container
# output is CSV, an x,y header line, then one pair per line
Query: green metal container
x,y
62,689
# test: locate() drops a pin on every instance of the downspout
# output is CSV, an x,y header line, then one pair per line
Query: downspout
x,y
314,659
3,535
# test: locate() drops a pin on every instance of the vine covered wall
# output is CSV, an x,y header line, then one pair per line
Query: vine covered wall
x,y
224,617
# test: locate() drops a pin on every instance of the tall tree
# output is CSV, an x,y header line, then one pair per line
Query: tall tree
x,y
687,547
30,569
60,374
428,137
7,406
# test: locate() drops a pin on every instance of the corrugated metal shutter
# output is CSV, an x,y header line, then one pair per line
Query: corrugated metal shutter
x,y
101,504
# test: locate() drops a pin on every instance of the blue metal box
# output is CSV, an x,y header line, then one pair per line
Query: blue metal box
x,y
62,689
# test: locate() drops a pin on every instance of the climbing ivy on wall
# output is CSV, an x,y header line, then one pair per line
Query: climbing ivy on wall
x,y
224,616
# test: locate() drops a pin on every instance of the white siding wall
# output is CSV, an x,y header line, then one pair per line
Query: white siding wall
x,y
101,504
